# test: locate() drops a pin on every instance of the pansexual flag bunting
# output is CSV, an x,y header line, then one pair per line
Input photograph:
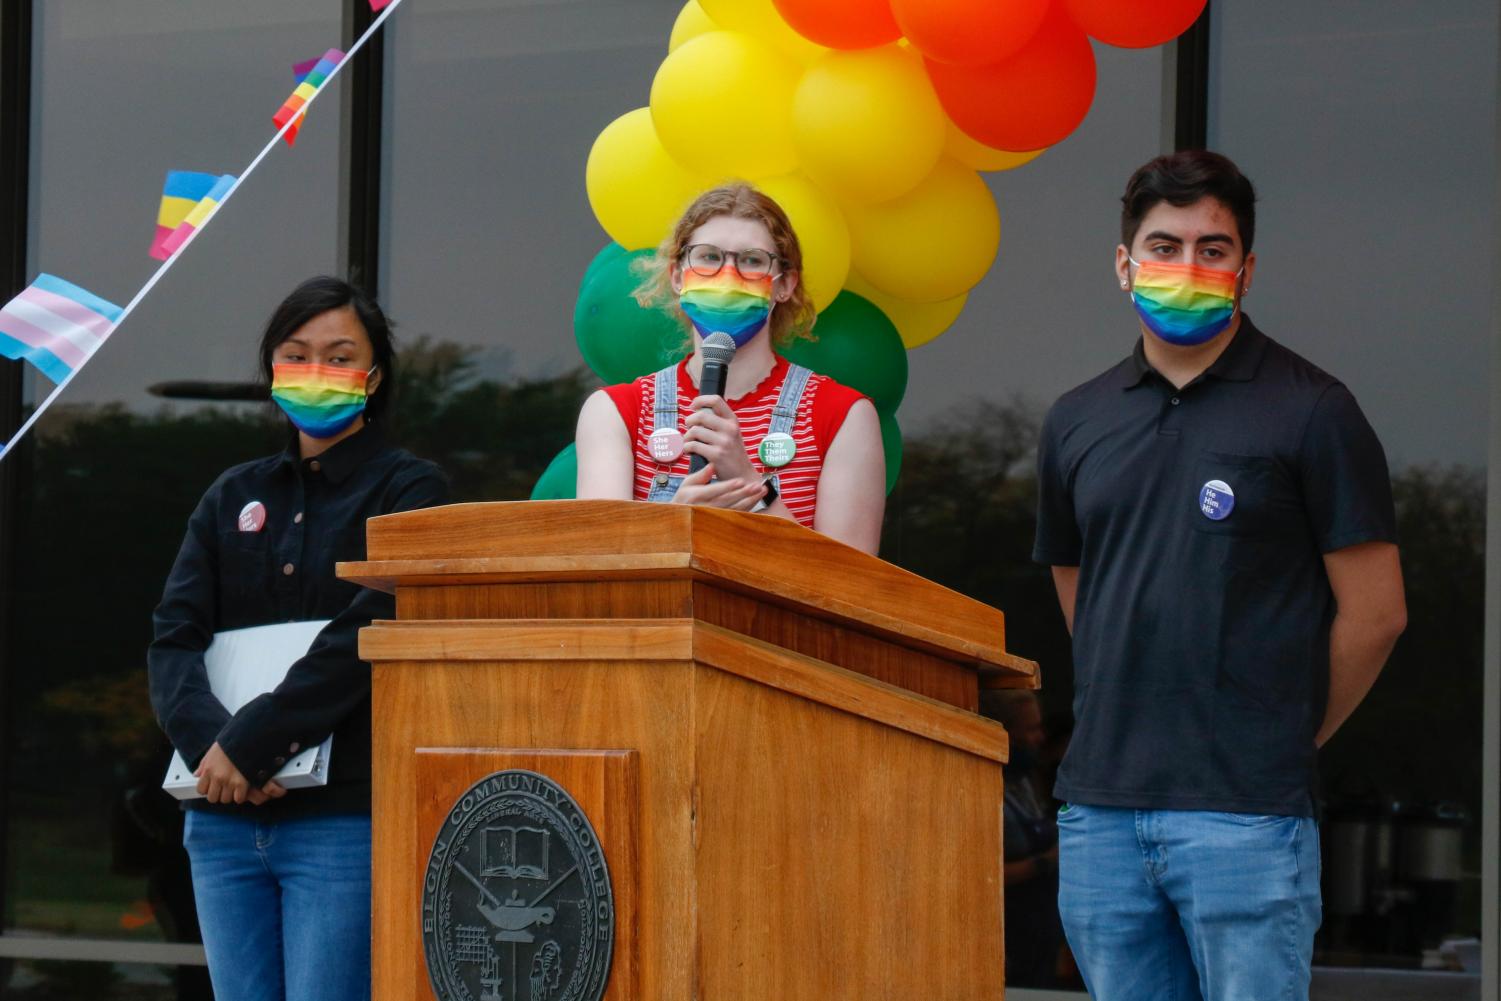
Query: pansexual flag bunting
x,y
307,86
180,195
199,213
55,325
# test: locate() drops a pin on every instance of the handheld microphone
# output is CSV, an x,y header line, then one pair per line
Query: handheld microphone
x,y
718,350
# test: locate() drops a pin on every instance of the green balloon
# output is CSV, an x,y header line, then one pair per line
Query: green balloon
x,y
559,481
620,339
891,442
854,343
613,252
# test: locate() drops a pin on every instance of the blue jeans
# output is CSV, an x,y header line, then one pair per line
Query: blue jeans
x,y
1188,905
285,907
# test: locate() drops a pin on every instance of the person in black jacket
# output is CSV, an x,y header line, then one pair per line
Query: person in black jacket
x,y
282,878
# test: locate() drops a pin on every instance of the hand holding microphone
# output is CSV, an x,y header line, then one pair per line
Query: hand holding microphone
x,y
713,438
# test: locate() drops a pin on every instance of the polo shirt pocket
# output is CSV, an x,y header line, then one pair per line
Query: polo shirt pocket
x,y
1231,494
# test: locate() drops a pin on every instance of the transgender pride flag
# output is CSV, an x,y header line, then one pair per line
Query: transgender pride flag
x,y
56,326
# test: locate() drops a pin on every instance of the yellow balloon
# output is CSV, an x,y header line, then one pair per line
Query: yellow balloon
x,y
931,244
760,18
978,156
917,322
691,22
722,105
821,232
637,191
867,123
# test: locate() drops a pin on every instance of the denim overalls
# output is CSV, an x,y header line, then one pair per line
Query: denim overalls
x,y
664,485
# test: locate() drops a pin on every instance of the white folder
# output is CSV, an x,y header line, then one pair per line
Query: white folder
x,y
244,663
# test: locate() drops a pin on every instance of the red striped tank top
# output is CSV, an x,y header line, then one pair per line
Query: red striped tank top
x,y
820,414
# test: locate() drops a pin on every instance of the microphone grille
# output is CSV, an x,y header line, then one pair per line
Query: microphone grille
x,y
719,347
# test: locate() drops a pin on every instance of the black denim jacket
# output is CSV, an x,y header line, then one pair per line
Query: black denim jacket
x,y
228,578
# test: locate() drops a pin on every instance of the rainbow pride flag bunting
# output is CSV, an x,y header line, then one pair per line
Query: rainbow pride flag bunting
x,y
379,4
307,85
55,325
181,193
199,213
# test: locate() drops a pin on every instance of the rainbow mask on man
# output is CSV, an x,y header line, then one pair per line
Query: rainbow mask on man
x,y
1182,303
726,302
321,400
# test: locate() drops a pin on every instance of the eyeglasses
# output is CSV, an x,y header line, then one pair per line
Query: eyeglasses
x,y
707,260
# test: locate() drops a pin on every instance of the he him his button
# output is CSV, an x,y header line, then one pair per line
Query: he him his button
x,y
252,517
777,449
1216,500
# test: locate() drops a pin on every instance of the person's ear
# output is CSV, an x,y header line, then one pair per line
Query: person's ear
x,y
786,284
377,376
1123,266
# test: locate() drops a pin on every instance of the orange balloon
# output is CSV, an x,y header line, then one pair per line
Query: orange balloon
x,y
969,32
1031,100
1134,24
841,24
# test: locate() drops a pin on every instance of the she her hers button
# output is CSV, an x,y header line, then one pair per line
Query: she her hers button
x,y
252,517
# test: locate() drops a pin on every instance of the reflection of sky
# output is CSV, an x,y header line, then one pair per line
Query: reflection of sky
x,y
1372,147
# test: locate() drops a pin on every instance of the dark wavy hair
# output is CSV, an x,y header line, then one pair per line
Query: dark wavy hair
x,y
1183,178
320,295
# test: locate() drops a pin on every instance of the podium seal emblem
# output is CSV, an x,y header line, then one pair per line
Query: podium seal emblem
x,y
516,898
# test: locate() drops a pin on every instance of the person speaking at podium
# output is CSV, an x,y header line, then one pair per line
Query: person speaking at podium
x,y
282,877
760,434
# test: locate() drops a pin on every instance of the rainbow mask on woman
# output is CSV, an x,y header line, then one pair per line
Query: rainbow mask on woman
x,y
726,302
321,400
1182,303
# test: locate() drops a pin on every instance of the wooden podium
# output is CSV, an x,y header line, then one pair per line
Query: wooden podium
x,y
766,738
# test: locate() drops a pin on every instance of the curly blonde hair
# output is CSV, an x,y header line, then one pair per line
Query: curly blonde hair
x,y
789,320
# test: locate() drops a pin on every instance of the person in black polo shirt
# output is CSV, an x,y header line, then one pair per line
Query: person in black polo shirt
x,y
282,878
1218,517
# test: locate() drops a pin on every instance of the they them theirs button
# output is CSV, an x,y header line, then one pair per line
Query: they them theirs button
x,y
297,518
288,570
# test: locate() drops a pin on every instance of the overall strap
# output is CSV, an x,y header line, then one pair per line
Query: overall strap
x,y
665,399
785,414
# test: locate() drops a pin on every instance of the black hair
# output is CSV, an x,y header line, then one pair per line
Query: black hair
x,y
320,295
1183,178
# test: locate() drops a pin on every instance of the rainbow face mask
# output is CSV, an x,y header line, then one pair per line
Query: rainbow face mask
x,y
321,400
726,302
1182,303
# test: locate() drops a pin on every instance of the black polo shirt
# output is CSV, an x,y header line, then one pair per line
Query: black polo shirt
x,y
226,577
1198,519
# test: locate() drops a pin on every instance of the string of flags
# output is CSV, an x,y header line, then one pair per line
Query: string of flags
x,y
56,326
